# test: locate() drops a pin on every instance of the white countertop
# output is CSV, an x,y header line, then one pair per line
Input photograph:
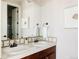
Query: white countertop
x,y
25,50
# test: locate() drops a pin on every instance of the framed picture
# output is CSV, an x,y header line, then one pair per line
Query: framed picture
x,y
71,17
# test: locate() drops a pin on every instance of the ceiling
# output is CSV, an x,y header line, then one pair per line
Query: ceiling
x,y
40,2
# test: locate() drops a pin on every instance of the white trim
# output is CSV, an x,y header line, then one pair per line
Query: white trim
x,y
12,4
0,30
71,6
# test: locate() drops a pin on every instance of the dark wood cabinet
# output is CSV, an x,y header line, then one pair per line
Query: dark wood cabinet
x,y
49,53
33,56
52,56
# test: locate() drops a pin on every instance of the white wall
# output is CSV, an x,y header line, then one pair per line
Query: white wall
x,y
53,13
3,20
68,3
30,11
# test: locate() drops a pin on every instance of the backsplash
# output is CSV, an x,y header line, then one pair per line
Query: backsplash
x,y
6,43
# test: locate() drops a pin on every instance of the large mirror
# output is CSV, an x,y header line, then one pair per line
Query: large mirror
x,y
9,21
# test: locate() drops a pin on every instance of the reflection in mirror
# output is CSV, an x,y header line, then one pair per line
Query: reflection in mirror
x,y
12,22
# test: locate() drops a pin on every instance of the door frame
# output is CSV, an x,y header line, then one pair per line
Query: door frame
x,y
19,17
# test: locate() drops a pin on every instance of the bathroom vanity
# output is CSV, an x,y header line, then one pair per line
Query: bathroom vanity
x,y
39,50
49,53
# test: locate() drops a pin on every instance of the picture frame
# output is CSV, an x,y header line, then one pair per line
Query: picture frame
x,y
71,17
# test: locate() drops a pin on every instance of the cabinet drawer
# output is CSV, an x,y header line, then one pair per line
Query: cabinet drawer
x,y
47,52
52,56
33,56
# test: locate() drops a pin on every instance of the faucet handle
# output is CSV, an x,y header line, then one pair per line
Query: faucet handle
x,y
10,45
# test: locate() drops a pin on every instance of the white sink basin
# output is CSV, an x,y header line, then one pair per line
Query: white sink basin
x,y
22,51
18,50
41,44
19,47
